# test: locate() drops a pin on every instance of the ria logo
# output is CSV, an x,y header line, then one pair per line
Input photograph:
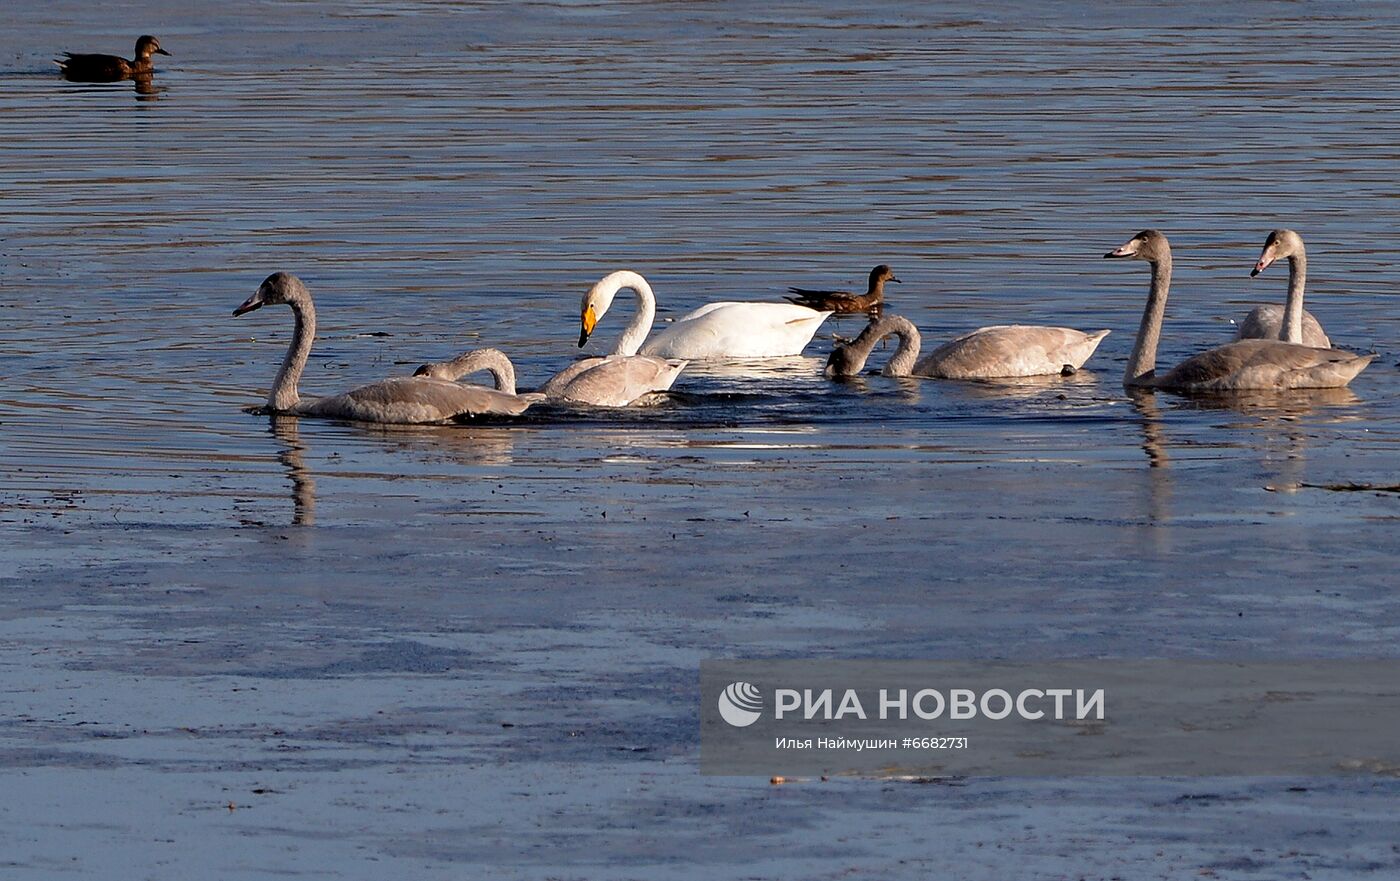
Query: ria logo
x,y
740,704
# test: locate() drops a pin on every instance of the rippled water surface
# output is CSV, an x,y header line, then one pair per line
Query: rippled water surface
x,y
451,175
448,175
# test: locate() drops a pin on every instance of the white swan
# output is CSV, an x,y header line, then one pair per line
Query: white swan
x,y
1291,323
715,330
624,376
1237,366
401,400
986,353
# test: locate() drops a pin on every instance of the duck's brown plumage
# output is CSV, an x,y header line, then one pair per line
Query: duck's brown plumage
x,y
847,302
93,68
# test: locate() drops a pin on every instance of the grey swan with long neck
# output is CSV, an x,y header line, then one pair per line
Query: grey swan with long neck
x,y
848,358
492,361
999,352
402,400
1291,323
1244,365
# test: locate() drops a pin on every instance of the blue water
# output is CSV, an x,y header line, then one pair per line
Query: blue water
x,y
452,175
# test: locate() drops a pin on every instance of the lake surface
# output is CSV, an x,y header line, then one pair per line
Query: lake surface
x,y
326,626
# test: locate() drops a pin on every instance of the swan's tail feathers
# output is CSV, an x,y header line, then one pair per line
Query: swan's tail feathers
x,y
1335,374
1091,345
818,318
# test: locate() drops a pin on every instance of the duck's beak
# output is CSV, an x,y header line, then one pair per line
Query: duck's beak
x,y
590,321
249,304
895,280
162,52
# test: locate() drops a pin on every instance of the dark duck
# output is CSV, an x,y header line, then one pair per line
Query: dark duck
x,y
847,302
111,68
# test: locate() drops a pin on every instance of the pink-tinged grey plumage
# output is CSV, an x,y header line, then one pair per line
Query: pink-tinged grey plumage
x,y
405,400
1246,365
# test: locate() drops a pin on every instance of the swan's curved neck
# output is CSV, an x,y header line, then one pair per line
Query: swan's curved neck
x,y
284,394
504,375
637,329
1143,362
1293,306
902,363
493,361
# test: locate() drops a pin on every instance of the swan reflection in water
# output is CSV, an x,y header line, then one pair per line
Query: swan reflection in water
x,y
1273,420
466,446
1274,417
287,429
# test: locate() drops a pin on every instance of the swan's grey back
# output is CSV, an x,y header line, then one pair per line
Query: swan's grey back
x,y
413,400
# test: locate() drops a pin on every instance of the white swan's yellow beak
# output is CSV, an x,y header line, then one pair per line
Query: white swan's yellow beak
x,y
590,321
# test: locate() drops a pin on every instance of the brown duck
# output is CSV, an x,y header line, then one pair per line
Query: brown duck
x,y
846,302
111,68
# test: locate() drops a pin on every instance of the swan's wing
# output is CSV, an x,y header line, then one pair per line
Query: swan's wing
x,y
413,400
1010,350
1262,323
1266,323
738,330
555,386
1265,364
619,380
703,311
